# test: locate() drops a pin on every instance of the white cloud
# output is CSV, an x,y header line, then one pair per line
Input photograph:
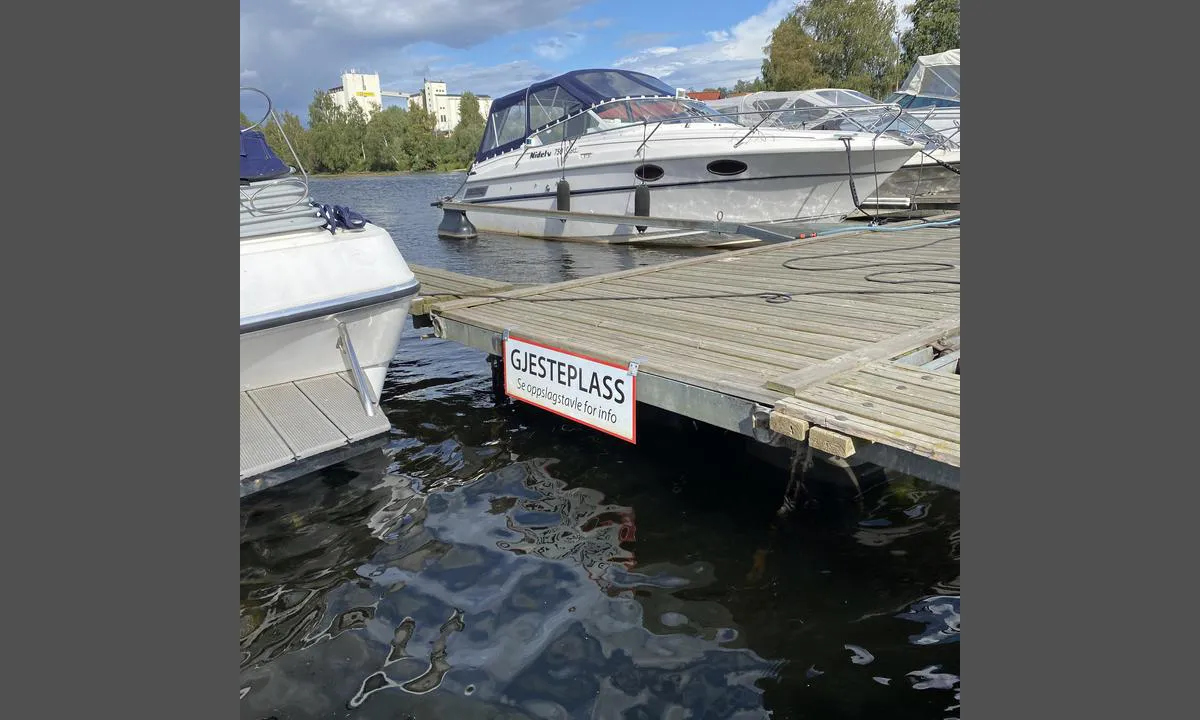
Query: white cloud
x,y
496,80
560,46
729,55
298,46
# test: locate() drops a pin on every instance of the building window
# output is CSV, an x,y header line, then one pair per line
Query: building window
x,y
443,118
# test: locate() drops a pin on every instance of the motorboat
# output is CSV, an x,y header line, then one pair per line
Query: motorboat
x,y
932,92
618,142
323,290
933,169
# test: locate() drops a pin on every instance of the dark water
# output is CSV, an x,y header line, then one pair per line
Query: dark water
x,y
493,562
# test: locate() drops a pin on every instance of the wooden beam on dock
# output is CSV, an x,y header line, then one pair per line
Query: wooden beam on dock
x,y
439,285
889,348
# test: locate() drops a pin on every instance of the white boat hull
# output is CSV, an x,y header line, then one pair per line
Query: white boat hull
x,y
310,348
924,175
295,290
789,176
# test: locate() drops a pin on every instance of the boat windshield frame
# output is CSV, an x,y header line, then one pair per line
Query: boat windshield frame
x,y
624,113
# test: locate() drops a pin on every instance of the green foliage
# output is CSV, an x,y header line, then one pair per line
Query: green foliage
x,y
838,43
295,135
468,112
459,149
790,63
391,140
934,29
746,86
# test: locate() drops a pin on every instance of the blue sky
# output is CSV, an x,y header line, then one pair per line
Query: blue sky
x,y
289,48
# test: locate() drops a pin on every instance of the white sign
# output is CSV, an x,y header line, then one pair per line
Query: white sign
x,y
591,392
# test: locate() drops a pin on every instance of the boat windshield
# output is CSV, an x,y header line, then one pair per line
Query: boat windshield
x,y
615,114
916,102
847,111
873,119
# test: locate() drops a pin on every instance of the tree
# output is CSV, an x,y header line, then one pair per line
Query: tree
x,y
468,112
849,43
934,29
791,58
354,134
384,140
295,134
418,142
458,150
748,86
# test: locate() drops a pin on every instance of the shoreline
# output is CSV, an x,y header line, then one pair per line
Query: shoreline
x,y
382,173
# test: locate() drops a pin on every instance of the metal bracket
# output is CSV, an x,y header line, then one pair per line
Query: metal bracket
x,y
365,393
634,364
499,340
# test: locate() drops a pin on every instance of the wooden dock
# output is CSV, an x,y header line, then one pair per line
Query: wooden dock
x,y
441,285
856,353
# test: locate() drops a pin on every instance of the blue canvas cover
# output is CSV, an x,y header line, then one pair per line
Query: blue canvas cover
x,y
259,162
589,87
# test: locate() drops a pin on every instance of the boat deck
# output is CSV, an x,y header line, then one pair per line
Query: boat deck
x,y
319,420
848,364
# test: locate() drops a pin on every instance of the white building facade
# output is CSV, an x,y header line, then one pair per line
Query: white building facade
x,y
359,88
365,90
434,98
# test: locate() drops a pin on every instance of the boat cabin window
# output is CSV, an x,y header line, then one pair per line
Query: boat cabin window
x,y
550,104
913,102
928,102
505,126
619,113
843,98
639,110
618,85
772,104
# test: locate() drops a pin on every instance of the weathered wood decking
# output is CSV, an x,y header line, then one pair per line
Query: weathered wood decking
x,y
439,285
847,363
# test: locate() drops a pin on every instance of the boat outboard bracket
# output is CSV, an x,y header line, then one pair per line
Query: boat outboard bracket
x,y
361,382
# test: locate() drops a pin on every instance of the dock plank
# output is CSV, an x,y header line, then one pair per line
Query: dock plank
x,y
438,285
795,409
855,359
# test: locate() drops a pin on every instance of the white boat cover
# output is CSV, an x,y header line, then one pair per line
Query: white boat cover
x,y
934,76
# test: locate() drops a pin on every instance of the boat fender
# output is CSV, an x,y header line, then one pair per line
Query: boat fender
x,y
563,199
641,203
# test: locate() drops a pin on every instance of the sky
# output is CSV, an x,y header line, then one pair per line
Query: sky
x,y
289,48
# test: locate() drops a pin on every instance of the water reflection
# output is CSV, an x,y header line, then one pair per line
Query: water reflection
x,y
515,586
